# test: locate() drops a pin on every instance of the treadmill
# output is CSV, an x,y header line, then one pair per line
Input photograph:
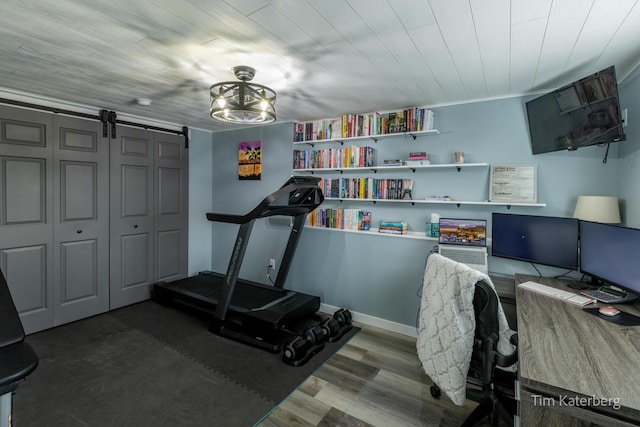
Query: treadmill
x,y
259,315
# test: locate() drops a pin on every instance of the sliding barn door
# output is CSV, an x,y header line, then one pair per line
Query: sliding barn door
x,y
81,219
131,219
26,213
171,205
149,212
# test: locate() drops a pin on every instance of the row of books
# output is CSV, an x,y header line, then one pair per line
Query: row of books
x,y
366,188
344,219
317,130
366,124
414,159
411,120
348,157
393,227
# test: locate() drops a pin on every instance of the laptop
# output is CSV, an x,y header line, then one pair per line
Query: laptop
x,y
465,241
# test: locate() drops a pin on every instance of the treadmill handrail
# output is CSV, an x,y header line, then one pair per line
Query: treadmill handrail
x,y
305,192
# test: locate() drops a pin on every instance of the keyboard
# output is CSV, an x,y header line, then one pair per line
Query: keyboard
x,y
556,293
464,256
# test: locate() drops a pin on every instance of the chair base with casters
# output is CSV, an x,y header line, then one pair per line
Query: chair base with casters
x,y
494,401
492,404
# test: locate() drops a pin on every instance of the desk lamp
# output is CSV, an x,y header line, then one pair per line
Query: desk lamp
x,y
602,209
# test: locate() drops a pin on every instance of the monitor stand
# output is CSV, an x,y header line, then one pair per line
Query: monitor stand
x,y
582,285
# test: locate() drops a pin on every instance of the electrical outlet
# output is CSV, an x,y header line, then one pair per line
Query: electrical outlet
x,y
272,263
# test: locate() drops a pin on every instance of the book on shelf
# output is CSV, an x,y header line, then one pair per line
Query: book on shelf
x,y
427,120
392,162
393,227
335,128
417,159
298,132
366,221
385,231
417,162
393,223
418,155
407,189
397,121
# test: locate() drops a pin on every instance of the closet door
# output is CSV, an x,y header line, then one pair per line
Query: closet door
x,y
81,219
131,219
26,213
171,205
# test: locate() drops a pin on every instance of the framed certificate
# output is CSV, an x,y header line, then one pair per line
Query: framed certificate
x,y
514,183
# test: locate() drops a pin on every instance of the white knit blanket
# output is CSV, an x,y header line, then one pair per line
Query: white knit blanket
x,y
446,324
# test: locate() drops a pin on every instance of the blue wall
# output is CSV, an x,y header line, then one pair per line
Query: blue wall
x,y
630,153
380,276
200,199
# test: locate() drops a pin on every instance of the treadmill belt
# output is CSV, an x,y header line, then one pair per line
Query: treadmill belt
x,y
245,295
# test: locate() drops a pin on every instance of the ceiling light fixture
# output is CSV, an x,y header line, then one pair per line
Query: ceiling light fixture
x,y
242,102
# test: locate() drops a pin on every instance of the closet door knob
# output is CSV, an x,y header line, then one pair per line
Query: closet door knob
x,y
135,226
79,231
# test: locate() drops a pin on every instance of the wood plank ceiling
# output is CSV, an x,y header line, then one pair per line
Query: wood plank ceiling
x,y
323,58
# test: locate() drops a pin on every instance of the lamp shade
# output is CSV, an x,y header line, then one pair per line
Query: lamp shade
x,y
603,209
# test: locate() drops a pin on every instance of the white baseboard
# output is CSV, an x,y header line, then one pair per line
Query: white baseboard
x,y
374,321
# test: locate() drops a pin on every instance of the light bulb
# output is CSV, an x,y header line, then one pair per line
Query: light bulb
x,y
264,104
221,102
226,113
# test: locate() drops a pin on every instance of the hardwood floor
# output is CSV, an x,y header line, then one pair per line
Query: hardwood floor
x,y
374,380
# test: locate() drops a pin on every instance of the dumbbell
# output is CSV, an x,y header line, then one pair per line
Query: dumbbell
x,y
343,316
300,349
315,334
295,349
331,326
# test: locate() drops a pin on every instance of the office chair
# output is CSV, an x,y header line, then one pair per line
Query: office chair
x,y
496,396
17,358
491,387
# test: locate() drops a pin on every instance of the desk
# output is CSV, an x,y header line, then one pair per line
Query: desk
x,y
566,354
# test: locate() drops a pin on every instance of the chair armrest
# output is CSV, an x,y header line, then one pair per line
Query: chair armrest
x,y
505,360
514,339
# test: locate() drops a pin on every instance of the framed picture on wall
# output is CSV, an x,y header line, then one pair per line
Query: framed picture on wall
x,y
250,160
514,183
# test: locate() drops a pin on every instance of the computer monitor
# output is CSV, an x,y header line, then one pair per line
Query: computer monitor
x,y
542,240
609,253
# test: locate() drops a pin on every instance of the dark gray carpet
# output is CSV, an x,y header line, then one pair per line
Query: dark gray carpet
x,y
152,365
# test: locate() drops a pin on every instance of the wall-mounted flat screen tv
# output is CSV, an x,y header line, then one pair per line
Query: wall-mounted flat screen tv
x,y
583,113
